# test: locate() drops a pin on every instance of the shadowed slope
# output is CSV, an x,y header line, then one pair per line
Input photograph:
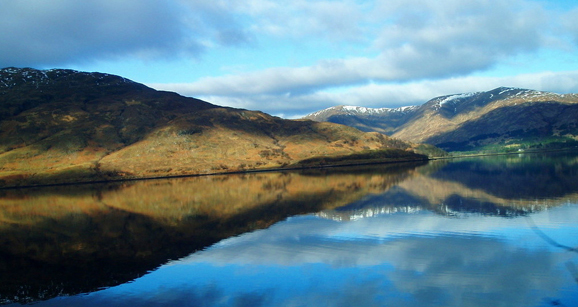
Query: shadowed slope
x,y
504,116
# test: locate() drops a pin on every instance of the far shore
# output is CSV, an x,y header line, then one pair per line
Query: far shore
x,y
526,151
293,168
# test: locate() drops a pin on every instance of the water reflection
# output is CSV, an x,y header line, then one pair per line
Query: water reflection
x,y
421,259
495,185
74,239
411,235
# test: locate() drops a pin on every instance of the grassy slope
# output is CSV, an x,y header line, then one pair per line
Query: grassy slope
x,y
546,125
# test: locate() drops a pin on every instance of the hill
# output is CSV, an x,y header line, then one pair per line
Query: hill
x,y
61,126
511,118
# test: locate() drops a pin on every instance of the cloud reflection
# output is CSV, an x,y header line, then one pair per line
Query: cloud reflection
x,y
417,259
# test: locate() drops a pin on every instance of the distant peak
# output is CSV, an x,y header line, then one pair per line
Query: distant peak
x,y
356,110
511,88
500,93
366,110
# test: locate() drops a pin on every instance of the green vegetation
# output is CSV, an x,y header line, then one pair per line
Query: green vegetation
x,y
373,156
519,145
430,150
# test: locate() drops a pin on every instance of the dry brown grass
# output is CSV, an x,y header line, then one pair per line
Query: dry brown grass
x,y
212,141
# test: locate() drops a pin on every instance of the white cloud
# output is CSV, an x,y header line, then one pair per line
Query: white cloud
x,y
52,32
372,94
335,20
403,52
283,80
424,49
433,38
421,40
570,24
60,32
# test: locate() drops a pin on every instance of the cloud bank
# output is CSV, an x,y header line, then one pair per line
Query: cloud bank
x,y
372,53
379,95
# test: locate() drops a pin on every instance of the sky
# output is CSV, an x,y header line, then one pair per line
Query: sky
x,y
292,57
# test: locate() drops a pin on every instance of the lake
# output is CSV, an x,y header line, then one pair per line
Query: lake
x,y
483,231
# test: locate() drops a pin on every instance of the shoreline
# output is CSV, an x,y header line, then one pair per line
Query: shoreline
x,y
507,153
250,171
282,169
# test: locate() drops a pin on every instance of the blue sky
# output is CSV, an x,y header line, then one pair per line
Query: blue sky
x,y
290,58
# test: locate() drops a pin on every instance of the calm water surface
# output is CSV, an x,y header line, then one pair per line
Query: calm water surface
x,y
491,231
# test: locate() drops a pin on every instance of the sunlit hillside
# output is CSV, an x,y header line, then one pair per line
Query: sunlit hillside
x,y
60,126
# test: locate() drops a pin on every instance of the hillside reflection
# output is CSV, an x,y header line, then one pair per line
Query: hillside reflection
x,y
73,239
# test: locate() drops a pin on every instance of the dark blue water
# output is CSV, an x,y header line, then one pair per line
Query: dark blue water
x,y
492,231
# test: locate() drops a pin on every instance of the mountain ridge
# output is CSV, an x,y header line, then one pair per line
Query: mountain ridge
x,y
468,121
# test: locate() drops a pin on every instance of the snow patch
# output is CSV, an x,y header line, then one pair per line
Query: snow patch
x,y
452,98
506,90
405,109
375,111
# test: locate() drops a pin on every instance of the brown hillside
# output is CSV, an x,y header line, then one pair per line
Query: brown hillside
x,y
504,115
61,126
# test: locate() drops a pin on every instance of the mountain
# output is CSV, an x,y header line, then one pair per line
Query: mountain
x,y
61,126
383,120
508,117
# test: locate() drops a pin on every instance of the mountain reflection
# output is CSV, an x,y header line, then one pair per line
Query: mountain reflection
x,y
505,186
524,176
73,239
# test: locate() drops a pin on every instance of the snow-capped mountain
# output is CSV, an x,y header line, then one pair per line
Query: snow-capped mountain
x,y
323,115
483,98
464,121
384,120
